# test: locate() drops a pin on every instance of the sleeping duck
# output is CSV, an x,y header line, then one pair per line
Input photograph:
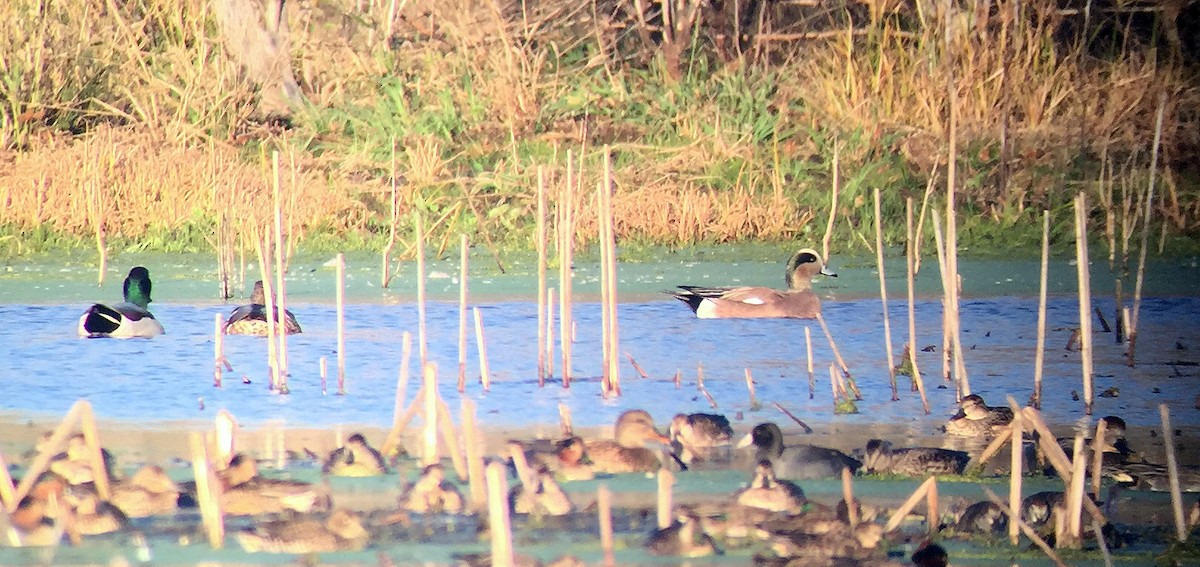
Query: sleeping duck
x,y
356,458
881,458
977,419
698,436
252,319
130,318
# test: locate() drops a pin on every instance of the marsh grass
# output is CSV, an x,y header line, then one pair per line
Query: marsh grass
x,y
710,141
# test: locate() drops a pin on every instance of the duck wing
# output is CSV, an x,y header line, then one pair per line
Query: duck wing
x,y
807,462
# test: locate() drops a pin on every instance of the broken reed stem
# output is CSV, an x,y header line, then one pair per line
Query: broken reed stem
x,y
208,493
549,344
544,346
566,233
754,405
1085,298
637,367
665,479
606,346
1025,529
385,278
909,505
604,508
52,447
920,232
341,321
1147,210
812,379
610,242
485,373
474,442
1075,495
398,421
1164,413
951,345
833,200
499,521
277,316
1039,356
218,349
564,420
833,385
430,455
1016,469
7,490
837,355
800,422
462,316
422,337
848,497
951,272
910,256
887,325
1098,444
700,386
450,438
91,438
269,293
1055,455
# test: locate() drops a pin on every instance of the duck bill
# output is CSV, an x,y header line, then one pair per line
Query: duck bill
x,y
744,442
827,272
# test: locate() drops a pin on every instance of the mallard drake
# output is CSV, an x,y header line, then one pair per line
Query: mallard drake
x,y
977,419
682,538
797,301
128,319
802,462
696,435
879,457
355,458
543,496
432,493
149,492
252,319
769,493
341,531
628,453
983,517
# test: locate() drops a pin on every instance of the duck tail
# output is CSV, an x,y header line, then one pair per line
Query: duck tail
x,y
101,320
692,300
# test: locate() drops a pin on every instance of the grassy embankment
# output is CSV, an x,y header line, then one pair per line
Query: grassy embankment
x,y
125,123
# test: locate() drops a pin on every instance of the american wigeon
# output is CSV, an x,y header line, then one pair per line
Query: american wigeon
x,y
977,419
252,319
130,318
880,457
797,301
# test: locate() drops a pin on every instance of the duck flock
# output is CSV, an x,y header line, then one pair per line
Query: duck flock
x,y
768,514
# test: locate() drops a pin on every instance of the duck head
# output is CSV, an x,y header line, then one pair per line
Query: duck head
x,y
767,438
136,288
801,268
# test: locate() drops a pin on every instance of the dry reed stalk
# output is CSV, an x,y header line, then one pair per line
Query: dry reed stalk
x,y
323,365
450,438
269,293
1002,437
606,345
474,443
848,497
208,493
566,235
462,316
7,490
1075,494
637,367
429,454
909,505
225,434
485,373
1181,531
218,349
800,422
614,367
1147,210
51,448
754,405
837,355
1056,456
564,420
1016,468
604,509
700,386
499,522
1085,299
1098,457
920,233
542,296
665,481
393,438
91,438
1039,356
419,238
833,385
887,325
951,346
341,320
1025,529
391,243
910,254
549,344
812,379
833,200
277,316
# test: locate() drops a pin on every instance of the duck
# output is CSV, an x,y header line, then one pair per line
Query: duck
x,y
149,492
797,301
567,460
74,464
542,496
930,554
977,419
769,493
628,452
432,493
695,436
31,524
246,493
983,517
94,516
342,530
130,318
1115,447
880,457
683,538
823,534
252,319
356,458
1038,508
799,462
